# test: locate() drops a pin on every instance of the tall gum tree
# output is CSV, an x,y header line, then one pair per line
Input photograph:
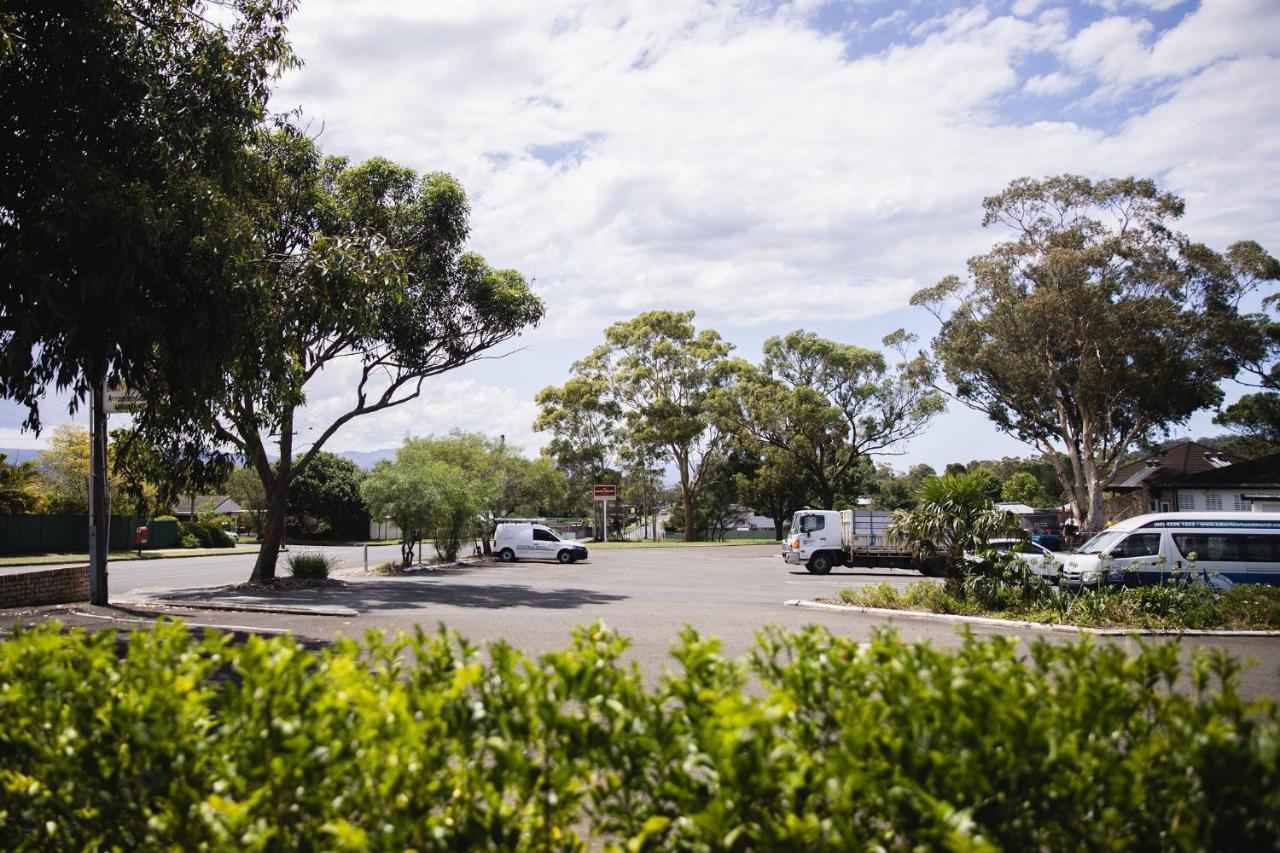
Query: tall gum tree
x,y
363,264
829,407
1095,327
651,381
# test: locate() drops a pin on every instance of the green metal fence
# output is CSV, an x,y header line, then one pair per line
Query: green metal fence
x,y
69,534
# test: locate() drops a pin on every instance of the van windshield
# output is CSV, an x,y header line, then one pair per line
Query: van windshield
x,y
1102,542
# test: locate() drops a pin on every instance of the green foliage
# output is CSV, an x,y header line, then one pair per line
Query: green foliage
x,y
203,533
1131,324
429,743
328,490
426,497
953,516
1257,418
828,406
311,565
124,253
1023,487
19,488
1009,594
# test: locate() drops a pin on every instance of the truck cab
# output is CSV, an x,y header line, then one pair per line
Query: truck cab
x,y
816,540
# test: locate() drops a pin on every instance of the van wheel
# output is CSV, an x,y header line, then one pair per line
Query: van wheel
x,y
565,557
819,564
506,555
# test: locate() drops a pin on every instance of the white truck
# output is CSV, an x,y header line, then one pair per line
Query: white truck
x,y
822,539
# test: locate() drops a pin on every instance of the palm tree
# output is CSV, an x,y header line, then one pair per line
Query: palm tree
x,y
19,487
954,515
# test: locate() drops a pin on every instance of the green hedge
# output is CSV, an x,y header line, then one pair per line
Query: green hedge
x,y
427,742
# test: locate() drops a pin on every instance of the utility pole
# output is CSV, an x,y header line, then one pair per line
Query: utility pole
x,y
98,520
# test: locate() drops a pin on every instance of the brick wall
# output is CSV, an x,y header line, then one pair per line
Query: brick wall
x,y
48,586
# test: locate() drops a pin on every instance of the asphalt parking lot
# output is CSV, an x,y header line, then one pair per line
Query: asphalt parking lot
x,y
649,594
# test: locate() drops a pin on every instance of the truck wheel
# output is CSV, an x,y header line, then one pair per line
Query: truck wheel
x,y
819,564
506,555
565,557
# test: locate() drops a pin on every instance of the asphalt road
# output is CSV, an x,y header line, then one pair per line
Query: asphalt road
x,y
648,594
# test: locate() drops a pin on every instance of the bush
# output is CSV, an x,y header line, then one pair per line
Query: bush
x,y
313,565
428,742
206,534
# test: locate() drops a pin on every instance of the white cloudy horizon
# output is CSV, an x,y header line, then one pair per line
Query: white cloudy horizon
x,y
773,165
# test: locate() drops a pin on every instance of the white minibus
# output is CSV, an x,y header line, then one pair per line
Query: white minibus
x,y
1236,547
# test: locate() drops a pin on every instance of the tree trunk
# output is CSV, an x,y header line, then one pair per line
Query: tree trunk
x,y
690,535
407,540
264,570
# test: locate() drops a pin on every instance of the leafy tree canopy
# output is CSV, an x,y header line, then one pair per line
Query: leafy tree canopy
x,y
329,490
124,252
1094,327
829,407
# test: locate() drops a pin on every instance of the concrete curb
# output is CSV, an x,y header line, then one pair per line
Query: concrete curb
x,y
991,622
287,609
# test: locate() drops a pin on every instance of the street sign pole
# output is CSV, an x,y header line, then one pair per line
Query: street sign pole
x,y
603,493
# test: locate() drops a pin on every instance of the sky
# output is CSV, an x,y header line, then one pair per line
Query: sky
x,y
769,165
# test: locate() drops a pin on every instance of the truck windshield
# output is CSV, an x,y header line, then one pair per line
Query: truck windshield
x,y
807,523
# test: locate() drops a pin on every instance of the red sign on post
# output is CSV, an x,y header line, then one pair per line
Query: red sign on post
x,y
606,492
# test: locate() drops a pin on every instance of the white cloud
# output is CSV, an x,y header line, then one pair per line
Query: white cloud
x,y
743,164
1121,53
1054,83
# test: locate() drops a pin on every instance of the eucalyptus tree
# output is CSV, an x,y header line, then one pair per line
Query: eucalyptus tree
x,y
1095,326
829,407
584,423
364,264
655,374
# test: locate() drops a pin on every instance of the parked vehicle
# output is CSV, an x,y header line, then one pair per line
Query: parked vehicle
x,y
1236,547
513,542
822,539
1038,559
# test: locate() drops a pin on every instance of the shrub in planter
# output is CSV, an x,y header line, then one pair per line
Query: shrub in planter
x,y
311,564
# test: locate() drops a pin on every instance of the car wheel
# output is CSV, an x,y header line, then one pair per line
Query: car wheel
x,y
819,564
565,557
506,555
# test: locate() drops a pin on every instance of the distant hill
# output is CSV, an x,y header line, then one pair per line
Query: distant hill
x,y
18,455
366,459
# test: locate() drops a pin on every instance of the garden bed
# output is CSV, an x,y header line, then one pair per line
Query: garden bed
x,y
1187,606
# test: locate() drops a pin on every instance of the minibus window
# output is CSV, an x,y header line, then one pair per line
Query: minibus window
x,y
1139,545
544,536
1262,549
1211,546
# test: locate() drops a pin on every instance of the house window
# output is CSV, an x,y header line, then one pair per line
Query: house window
x,y
1241,504
1213,502
1186,501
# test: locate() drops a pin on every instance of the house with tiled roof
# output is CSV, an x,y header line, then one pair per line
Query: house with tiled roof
x,y
1192,477
192,506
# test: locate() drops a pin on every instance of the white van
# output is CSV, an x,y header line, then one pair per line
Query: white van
x,y
513,542
1240,547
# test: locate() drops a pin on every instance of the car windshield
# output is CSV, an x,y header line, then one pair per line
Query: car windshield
x,y
1102,542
